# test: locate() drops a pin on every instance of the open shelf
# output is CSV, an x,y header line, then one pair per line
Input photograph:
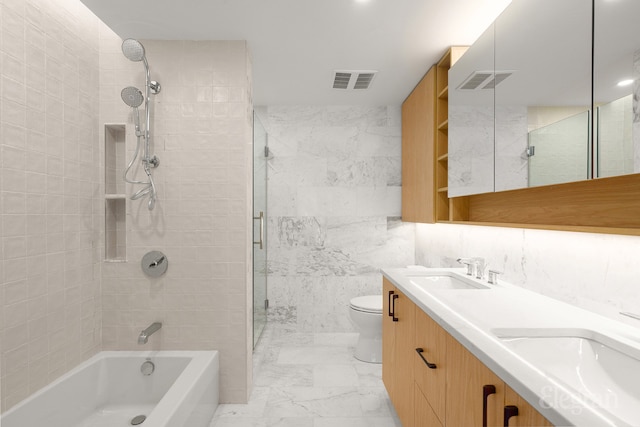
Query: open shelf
x,y
445,210
115,199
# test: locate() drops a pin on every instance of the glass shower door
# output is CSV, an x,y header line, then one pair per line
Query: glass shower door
x,y
260,301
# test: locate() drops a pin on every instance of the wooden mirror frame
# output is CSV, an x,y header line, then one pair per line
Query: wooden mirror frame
x,y
603,205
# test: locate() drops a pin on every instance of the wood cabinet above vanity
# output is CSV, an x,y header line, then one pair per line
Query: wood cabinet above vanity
x,y
555,130
604,204
424,145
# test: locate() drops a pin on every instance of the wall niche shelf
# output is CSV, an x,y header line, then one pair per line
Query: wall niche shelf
x,y
115,199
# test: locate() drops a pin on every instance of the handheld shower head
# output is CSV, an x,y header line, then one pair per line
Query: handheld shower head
x,y
132,96
133,50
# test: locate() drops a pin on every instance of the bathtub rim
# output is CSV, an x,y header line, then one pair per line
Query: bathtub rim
x,y
200,360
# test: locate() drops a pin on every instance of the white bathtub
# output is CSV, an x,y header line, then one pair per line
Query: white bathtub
x,y
109,390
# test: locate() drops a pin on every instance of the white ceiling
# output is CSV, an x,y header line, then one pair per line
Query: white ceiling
x,y
297,44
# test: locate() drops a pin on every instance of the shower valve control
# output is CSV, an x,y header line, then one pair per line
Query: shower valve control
x,y
154,264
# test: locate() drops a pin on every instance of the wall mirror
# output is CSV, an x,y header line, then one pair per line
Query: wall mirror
x,y
617,87
471,108
543,52
545,129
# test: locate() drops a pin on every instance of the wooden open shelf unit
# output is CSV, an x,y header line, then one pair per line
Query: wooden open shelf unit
x,y
446,209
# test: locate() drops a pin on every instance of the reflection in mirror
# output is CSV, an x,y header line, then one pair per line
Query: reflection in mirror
x,y
543,47
557,152
471,120
617,86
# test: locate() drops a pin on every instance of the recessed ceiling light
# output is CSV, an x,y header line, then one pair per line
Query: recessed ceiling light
x,y
626,82
362,1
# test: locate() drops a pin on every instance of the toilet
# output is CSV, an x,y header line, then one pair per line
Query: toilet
x,y
366,314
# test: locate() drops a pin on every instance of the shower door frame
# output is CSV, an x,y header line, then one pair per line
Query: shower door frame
x,y
260,283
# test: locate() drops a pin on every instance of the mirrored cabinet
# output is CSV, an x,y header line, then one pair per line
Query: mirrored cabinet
x,y
542,93
540,98
616,93
471,119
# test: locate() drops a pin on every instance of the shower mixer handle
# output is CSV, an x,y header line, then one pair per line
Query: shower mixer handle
x,y
154,162
155,87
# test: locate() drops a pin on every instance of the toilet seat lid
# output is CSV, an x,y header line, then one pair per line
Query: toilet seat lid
x,y
367,303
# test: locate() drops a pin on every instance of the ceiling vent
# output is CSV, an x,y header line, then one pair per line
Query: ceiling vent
x,y
356,80
480,80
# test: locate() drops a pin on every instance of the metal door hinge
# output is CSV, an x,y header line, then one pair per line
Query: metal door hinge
x,y
531,151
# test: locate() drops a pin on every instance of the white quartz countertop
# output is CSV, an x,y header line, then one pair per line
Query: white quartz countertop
x,y
475,317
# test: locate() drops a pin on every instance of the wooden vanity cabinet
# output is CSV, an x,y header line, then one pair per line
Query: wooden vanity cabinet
x,y
450,386
388,338
475,395
398,336
431,364
527,416
478,397
424,415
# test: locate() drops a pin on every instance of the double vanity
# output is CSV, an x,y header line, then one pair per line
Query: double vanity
x,y
461,351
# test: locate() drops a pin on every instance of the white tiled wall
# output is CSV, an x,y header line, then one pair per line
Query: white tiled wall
x,y
50,209
333,210
201,132
61,72
615,137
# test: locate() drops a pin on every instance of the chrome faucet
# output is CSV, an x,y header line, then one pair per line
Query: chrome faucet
x,y
144,335
470,263
481,266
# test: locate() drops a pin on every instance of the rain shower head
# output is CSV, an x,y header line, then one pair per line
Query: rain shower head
x,y
132,96
133,50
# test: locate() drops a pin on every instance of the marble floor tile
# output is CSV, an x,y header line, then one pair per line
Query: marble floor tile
x,y
310,380
326,375
356,422
313,402
314,355
276,376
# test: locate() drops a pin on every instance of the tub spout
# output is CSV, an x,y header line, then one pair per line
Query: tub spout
x,y
144,335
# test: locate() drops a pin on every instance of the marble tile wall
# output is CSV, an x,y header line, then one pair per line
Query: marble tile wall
x,y
596,272
50,206
333,210
201,132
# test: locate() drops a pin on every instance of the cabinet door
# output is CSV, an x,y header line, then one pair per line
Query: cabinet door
x,y
405,351
527,416
418,151
424,415
432,340
388,337
466,381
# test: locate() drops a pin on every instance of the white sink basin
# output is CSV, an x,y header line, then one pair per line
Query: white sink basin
x,y
598,369
443,281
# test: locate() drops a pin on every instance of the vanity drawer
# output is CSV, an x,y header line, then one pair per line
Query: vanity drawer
x,y
430,362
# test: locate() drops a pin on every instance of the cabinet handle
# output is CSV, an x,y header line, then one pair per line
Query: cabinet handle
x,y
393,314
509,411
487,390
390,312
430,365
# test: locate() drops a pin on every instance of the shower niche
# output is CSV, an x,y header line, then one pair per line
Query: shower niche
x,y
114,188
